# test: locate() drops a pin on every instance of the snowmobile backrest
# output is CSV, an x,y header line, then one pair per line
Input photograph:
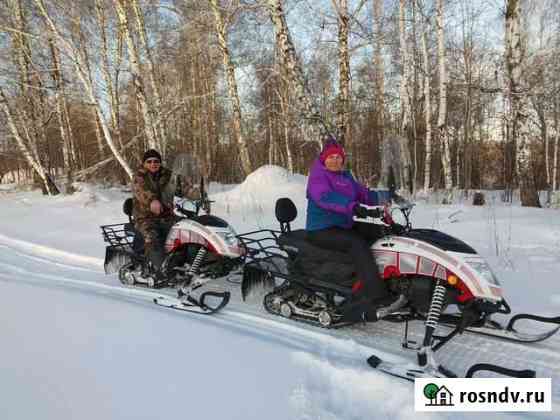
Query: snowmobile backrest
x,y
286,212
127,208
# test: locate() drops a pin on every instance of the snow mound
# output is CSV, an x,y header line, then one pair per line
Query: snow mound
x,y
262,188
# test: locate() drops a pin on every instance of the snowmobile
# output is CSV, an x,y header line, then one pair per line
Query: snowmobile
x,y
199,248
432,269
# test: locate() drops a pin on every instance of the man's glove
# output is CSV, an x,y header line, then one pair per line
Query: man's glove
x,y
156,207
360,211
397,229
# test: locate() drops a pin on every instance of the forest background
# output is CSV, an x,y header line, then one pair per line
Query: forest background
x,y
445,95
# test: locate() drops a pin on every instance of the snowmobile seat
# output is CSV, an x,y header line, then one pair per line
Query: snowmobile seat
x,y
296,242
319,265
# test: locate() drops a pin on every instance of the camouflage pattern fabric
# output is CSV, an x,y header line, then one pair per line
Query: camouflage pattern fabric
x,y
146,188
154,232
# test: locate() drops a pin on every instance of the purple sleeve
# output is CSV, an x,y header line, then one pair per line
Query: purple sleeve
x,y
319,190
363,194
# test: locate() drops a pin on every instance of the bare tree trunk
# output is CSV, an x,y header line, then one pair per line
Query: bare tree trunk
x,y
286,131
137,77
312,120
232,89
32,93
404,93
112,87
61,112
379,82
442,116
86,82
427,107
343,105
29,154
516,61
556,138
161,127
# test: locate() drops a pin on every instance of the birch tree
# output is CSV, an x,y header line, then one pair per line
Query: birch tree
x,y
404,95
221,32
148,113
343,105
379,66
442,113
518,92
29,111
312,123
427,104
80,69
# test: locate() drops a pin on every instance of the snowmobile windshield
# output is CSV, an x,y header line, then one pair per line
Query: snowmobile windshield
x,y
186,170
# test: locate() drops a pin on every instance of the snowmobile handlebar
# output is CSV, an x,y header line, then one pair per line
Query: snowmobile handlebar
x,y
201,203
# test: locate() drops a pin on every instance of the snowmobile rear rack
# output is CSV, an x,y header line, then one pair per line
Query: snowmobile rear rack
x,y
118,235
265,260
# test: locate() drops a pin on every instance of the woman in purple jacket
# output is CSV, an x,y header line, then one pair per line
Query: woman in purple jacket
x,y
334,197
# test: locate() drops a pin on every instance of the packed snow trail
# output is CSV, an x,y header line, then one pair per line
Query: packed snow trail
x,y
352,344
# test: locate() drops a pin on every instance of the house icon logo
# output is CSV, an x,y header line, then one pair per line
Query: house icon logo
x,y
438,396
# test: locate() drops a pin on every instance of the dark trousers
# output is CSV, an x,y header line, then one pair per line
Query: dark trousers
x,y
356,242
154,232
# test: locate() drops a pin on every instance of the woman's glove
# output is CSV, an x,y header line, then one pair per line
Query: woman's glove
x,y
375,213
360,211
363,212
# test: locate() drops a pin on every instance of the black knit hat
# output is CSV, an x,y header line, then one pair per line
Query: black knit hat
x,y
151,154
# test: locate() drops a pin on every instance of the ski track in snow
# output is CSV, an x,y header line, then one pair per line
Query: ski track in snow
x,y
323,391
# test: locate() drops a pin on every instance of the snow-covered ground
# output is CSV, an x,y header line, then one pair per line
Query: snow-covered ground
x,y
76,345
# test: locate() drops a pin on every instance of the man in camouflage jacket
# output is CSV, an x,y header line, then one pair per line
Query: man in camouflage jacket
x,y
153,205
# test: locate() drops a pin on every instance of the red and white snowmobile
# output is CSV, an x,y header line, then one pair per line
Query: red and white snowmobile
x,y
199,248
433,270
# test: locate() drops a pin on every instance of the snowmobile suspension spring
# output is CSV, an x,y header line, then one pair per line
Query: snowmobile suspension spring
x,y
435,307
197,261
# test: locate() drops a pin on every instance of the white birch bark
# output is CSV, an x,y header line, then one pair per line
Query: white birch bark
x,y
442,115
312,120
516,62
29,154
555,163
86,82
61,111
343,105
232,89
404,93
427,107
379,66
138,77
111,87
151,72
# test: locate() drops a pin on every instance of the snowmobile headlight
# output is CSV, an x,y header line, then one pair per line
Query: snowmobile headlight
x,y
483,270
452,279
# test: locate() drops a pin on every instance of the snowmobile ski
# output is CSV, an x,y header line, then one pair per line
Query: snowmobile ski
x,y
408,371
411,371
495,329
193,305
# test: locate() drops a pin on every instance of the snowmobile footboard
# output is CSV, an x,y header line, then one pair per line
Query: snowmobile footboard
x,y
264,260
